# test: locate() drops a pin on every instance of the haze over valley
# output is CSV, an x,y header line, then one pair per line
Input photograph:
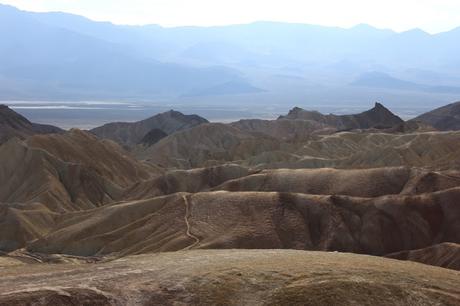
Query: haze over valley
x,y
267,66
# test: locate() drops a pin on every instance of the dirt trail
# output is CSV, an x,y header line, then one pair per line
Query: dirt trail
x,y
188,232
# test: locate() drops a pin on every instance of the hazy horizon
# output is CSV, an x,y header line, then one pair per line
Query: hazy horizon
x,y
262,69
430,16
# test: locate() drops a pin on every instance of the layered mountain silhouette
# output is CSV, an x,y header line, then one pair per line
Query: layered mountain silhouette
x,y
64,56
55,62
383,80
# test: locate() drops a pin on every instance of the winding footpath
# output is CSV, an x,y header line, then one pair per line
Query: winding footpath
x,y
188,232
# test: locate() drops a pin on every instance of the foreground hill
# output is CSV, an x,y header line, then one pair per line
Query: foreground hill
x,y
14,125
148,131
268,277
444,118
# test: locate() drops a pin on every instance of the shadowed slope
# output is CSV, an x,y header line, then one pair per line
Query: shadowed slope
x,y
444,118
22,223
446,255
14,125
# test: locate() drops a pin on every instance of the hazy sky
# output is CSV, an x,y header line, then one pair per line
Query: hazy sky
x,y
429,15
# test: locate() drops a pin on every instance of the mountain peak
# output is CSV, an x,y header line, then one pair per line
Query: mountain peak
x,y
377,117
380,106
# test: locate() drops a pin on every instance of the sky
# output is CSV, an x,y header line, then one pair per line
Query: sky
x,y
432,16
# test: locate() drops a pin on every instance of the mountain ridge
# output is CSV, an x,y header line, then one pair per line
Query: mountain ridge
x,y
377,117
444,118
156,60
132,133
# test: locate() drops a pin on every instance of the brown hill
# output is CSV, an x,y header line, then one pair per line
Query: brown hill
x,y
22,223
69,171
213,144
132,133
259,220
14,125
435,150
444,118
205,145
47,175
233,277
192,181
446,255
106,158
377,117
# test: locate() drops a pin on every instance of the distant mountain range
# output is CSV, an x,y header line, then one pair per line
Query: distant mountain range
x,y
65,56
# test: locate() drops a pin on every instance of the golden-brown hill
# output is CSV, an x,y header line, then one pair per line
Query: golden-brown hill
x,y
233,277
